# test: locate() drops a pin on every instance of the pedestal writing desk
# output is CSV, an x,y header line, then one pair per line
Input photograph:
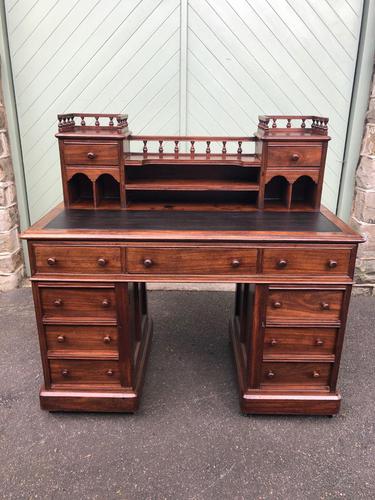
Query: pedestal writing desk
x,y
253,219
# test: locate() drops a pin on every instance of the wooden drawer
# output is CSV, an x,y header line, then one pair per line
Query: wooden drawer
x,y
300,306
191,260
306,261
299,341
84,372
294,156
296,374
85,339
91,153
59,259
64,302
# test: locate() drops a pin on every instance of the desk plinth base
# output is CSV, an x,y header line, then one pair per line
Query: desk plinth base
x,y
261,401
125,401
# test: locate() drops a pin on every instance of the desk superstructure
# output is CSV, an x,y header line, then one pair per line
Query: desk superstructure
x,y
141,209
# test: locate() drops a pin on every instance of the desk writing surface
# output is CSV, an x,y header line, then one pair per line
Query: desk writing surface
x,y
192,221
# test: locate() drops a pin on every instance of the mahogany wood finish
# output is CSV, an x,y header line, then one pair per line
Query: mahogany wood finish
x,y
243,210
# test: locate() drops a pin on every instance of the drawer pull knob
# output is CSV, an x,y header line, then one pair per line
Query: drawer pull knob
x,y
102,262
270,374
65,372
61,339
273,342
91,155
332,264
106,303
236,263
276,304
319,342
281,263
58,302
107,339
51,261
325,306
147,262
316,374
295,157
110,373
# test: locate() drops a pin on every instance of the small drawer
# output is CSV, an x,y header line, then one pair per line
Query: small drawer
x,y
294,156
306,261
300,306
84,372
296,374
85,339
299,341
91,153
191,261
69,259
75,302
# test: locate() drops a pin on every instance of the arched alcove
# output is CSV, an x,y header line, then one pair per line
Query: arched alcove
x,y
107,191
303,193
276,192
80,191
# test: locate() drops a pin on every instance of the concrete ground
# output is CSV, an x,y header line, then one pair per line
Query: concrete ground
x,y
189,440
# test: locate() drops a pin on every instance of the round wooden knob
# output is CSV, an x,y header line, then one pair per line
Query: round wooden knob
x,y
316,374
236,263
58,302
109,373
332,264
270,374
273,342
51,261
319,342
276,304
295,157
281,263
60,339
65,372
91,155
147,262
102,262
106,303
107,339
324,306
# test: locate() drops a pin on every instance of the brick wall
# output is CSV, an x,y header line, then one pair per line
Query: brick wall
x,y
363,212
11,260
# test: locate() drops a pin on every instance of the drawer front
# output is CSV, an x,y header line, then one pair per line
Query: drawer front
x,y
85,338
57,259
304,305
59,303
294,156
88,153
84,372
296,374
191,260
299,341
306,261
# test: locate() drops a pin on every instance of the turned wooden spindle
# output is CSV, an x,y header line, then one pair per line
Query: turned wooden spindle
x,y
224,148
239,150
288,124
192,148
83,123
145,147
274,125
161,149
111,121
176,147
208,149
97,123
303,124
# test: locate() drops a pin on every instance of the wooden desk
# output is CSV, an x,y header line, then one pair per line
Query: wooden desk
x,y
292,263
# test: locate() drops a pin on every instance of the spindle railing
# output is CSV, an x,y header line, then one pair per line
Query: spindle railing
x,y
319,124
115,121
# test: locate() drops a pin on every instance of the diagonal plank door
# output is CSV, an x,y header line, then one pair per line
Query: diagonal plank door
x,y
243,58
